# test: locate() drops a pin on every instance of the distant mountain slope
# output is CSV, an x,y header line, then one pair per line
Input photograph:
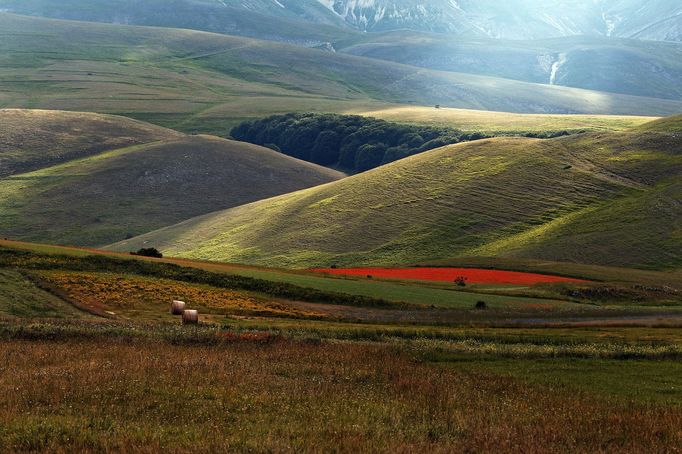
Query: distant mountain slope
x,y
602,198
195,81
303,22
111,195
642,68
597,59
32,139
659,20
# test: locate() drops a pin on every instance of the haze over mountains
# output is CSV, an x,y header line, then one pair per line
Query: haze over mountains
x,y
518,19
512,19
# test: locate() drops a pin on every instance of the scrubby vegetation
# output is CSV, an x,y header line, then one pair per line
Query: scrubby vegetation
x,y
31,261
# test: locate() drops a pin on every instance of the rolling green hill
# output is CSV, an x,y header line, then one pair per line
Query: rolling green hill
x,y
117,193
601,198
32,139
195,81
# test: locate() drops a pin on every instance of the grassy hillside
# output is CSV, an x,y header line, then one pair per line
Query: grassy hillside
x,y
603,198
31,139
494,123
118,193
196,81
671,124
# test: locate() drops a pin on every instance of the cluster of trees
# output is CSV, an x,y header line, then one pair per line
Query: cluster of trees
x,y
348,142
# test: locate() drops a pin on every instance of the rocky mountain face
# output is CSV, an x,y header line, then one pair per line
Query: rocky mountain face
x,y
518,19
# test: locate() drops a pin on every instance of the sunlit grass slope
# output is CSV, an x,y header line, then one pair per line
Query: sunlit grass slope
x,y
31,139
671,125
602,198
504,122
196,81
109,196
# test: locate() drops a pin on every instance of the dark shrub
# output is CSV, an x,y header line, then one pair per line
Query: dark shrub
x,y
149,252
481,305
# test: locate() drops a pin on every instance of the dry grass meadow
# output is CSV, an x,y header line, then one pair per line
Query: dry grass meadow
x,y
91,361
100,395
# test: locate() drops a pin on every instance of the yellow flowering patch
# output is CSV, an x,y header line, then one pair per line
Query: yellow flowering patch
x,y
123,294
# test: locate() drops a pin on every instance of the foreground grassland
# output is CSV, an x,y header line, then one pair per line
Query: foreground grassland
x,y
287,396
286,361
603,198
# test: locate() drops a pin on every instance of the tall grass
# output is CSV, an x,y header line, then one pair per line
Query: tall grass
x,y
92,396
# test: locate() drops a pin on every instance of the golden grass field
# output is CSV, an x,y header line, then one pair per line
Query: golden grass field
x,y
503,122
109,395
91,361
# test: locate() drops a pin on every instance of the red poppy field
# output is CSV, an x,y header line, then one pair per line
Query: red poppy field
x,y
470,275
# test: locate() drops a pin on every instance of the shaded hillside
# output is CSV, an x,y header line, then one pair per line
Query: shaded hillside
x,y
128,191
196,81
31,139
603,198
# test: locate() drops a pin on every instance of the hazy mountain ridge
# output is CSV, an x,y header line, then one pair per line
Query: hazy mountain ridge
x,y
517,19
659,20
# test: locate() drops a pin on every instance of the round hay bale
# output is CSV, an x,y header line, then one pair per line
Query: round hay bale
x,y
190,317
177,307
